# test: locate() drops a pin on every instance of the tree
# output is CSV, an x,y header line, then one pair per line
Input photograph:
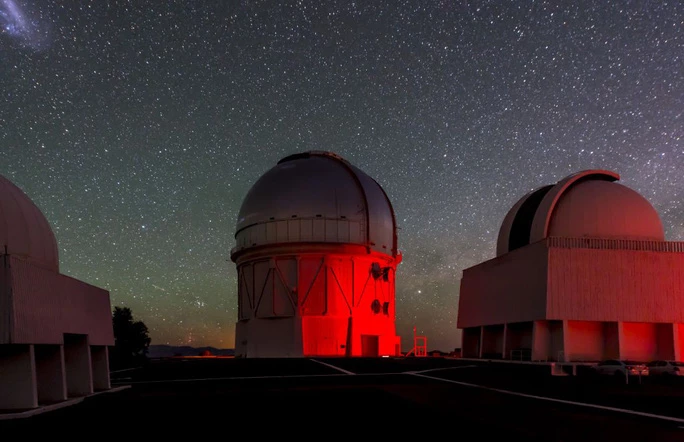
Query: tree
x,y
131,339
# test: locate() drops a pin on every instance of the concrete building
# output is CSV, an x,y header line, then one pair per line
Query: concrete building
x,y
54,330
316,256
582,273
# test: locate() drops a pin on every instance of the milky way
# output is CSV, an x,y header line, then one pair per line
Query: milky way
x,y
11,20
141,128
28,32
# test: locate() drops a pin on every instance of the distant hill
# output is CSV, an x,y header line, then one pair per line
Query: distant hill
x,y
167,351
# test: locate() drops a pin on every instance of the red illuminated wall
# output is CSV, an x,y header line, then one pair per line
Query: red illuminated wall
x,y
585,340
616,285
638,341
578,280
326,301
679,342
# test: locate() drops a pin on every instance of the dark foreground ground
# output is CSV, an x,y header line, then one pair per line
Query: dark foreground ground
x,y
407,398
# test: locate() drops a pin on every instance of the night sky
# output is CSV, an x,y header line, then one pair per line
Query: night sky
x,y
138,127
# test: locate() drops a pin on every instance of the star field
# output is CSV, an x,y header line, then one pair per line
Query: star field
x,y
138,127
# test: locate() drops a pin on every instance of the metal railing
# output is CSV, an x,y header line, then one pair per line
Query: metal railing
x,y
615,244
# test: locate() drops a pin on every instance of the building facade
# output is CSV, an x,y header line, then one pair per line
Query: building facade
x,y
54,329
316,256
582,273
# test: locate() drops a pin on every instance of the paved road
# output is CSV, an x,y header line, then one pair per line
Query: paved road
x,y
326,402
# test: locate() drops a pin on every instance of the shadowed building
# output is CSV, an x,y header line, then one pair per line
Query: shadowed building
x,y
54,330
316,255
582,273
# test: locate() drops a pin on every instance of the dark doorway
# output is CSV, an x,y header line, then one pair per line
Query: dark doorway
x,y
370,346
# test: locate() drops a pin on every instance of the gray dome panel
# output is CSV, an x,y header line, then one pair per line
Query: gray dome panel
x,y
316,197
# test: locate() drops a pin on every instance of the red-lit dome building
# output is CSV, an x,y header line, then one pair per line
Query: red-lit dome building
x,y
582,273
316,254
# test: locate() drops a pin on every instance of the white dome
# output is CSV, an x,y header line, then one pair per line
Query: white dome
x,y
313,189
587,204
602,209
24,231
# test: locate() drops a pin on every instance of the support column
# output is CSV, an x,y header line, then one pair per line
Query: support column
x,y
503,344
51,374
79,371
17,377
621,340
678,338
566,340
481,346
100,356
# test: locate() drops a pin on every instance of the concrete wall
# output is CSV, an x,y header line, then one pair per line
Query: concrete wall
x,y
100,366
610,285
577,341
50,373
269,338
470,342
584,341
493,341
46,305
678,332
510,288
541,341
17,377
638,341
79,371
595,341
519,340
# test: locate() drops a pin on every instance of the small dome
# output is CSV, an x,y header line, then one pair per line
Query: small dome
x,y
24,230
316,197
587,204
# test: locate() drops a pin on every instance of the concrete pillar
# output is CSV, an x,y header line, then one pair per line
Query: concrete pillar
x,y
481,346
17,377
463,343
621,340
566,340
50,373
100,357
678,338
541,341
79,370
470,345
504,347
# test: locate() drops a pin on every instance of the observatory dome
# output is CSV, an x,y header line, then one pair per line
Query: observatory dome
x,y
588,204
24,230
316,197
